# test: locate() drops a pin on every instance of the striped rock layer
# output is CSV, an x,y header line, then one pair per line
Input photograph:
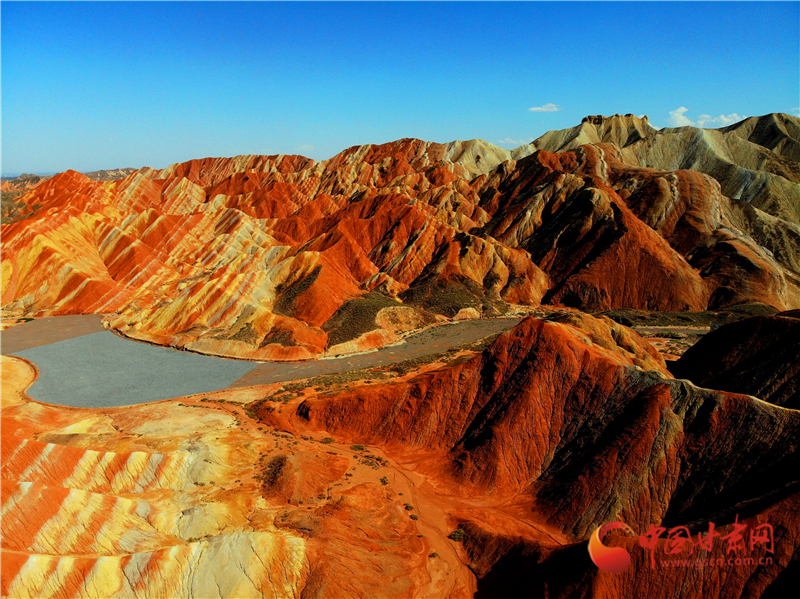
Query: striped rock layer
x,y
165,500
282,257
557,427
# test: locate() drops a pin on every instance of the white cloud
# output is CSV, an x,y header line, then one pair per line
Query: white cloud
x,y
546,108
678,118
304,148
722,120
515,142
796,109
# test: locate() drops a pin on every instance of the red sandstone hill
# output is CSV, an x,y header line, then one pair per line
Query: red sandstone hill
x,y
545,436
281,257
12,188
354,488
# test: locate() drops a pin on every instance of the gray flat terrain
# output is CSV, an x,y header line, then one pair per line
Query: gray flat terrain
x,y
43,331
100,369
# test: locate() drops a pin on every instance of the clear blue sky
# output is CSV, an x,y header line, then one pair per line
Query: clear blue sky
x,y
105,85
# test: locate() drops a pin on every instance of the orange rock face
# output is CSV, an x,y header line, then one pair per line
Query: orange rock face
x,y
196,499
546,435
257,256
329,489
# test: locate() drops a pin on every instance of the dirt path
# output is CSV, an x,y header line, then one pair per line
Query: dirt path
x,y
450,575
447,570
430,341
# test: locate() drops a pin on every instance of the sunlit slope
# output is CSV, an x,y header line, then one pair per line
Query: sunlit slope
x,y
281,257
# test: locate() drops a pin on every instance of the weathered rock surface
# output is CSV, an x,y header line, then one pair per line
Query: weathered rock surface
x,y
557,427
13,188
758,356
755,162
177,499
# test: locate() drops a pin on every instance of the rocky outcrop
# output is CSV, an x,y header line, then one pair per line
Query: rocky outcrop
x,y
334,490
593,224
13,188
755,162
177,499
759,356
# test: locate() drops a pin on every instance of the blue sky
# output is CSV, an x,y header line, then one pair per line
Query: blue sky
x,y
104,85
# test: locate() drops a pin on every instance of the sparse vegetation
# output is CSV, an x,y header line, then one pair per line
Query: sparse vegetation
x,y
384,481
669,335
642,318
288,294
458,535
271,471
356,317
445,297
403,368
327,440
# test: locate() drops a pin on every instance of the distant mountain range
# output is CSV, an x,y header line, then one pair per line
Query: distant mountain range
x,y
282,257
12,188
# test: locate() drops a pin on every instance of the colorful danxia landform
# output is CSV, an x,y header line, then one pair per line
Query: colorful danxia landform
x,y
283,258
535,462
477,474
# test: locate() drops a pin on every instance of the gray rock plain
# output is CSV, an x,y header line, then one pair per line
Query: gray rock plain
x,y
82,365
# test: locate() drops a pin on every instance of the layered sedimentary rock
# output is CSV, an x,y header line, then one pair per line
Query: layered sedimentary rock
x,y
759,356
546,435
755,162
179,499
334,489
281,257
609,235
13,188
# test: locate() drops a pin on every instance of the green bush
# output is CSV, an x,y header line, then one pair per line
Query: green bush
x,y
457,535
